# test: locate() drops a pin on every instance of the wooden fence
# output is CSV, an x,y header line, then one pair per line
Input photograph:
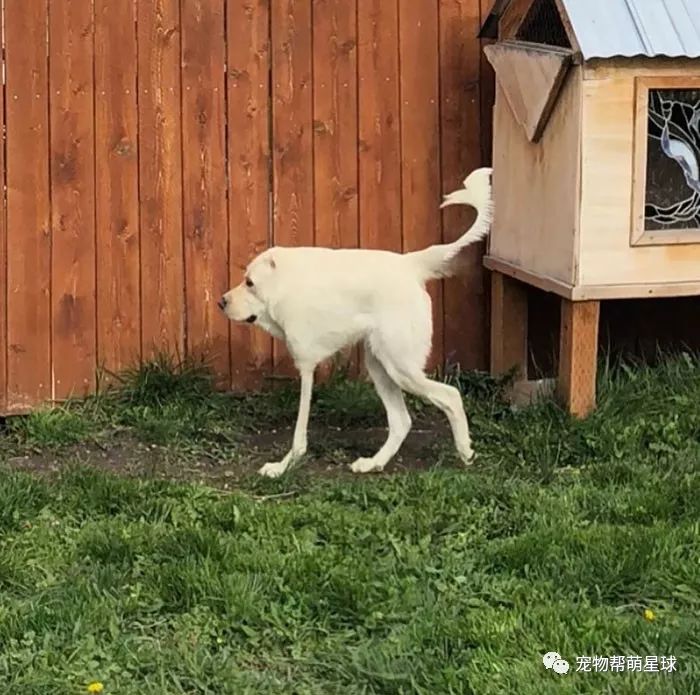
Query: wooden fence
x,y
153,146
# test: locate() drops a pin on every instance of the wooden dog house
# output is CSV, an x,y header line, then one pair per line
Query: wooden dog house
x,y
596,160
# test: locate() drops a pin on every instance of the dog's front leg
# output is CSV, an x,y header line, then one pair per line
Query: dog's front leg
x,y
274,470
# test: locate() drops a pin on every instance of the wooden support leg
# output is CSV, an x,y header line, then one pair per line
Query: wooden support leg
x,y
508,326
578,356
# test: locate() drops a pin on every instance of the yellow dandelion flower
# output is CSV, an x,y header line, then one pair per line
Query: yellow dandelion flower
x,y
649,614
95,687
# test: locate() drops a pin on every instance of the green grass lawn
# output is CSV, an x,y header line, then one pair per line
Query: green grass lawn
x,y
428,579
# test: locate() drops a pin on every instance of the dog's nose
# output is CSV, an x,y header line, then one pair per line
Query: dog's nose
x,y
222,303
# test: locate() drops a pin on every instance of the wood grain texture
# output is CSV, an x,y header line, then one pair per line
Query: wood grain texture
x,y
335,123
3,254
578,354
117,195
420,143
536,206
72,198
160,178
643,290
204,175
292,116
249,161
335,134
380,164
542,282
466,334
512,18
607,211
487,97
568,28
646,290
531,78
150,156
620,67
487,92
509,320
28,207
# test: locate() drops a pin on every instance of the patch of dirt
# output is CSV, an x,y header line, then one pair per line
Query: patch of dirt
x,y
331,450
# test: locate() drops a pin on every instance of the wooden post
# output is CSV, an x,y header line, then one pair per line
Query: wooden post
x,y
578,355
508,325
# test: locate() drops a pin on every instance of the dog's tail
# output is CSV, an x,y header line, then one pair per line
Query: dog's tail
x,y
440,261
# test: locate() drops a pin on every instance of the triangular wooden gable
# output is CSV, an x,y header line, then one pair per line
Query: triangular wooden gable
x,y
531,77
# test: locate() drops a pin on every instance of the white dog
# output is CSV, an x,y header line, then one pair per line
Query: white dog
x,y
321,300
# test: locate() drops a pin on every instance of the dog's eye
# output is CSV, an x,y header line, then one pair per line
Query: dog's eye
x,y
248,282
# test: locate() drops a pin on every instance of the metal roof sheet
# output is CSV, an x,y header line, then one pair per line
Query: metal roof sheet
x,y
607,28
629,28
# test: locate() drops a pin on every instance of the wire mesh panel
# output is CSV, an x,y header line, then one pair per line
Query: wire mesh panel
x,y
543,24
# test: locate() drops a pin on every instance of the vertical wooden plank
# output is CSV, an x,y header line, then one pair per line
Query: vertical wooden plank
x,y
116,177
509,321
293,217
335,123
72,197
204,174
3,247
420,142
466,333
488,92
487,98
335,129
578,355
379,125
249,161
160,178
28,206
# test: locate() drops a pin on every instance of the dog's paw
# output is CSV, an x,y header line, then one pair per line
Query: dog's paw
x,y
468,457
272,470
366,466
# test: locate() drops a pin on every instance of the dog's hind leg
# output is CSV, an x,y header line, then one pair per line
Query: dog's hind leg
x,y
274,470
449,400
402,348
398,418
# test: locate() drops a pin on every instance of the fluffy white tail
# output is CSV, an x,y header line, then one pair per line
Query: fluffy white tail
x,y
439,261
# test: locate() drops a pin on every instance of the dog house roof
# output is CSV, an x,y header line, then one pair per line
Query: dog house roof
x,y
627,28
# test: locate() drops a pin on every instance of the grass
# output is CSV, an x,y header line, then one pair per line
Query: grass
x,y
432,581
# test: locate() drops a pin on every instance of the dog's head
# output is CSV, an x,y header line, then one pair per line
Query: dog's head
x,y
248,301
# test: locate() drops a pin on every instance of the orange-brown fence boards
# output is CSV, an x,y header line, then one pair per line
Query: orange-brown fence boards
x,y
460,122
204,177
487,97
249,166
420,141
116,180
72,197
28,206
335,123
293,214
155,146
3,254
335,126
160,178
379,125
487,81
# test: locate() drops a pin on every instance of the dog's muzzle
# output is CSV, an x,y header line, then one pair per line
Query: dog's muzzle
x,y
251,319
221,304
